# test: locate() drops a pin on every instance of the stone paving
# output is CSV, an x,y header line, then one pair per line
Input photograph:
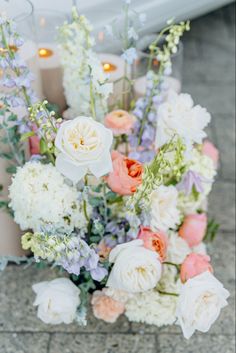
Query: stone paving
x,y
209,76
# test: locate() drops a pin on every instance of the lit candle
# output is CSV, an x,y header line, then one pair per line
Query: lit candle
x,y
51,73
140,86
114,66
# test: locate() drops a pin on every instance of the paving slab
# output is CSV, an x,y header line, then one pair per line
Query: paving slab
x,y
113,343
197,344
24,343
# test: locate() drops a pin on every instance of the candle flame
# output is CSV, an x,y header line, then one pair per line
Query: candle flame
x,y
108,67
45,52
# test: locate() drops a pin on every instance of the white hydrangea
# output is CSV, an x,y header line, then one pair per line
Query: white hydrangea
x,y
188,204
178,249
204,166
83,71
39,197
152,308
164,212
179,116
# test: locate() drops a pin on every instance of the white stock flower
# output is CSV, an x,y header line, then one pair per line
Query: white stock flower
x,y
39,197
135,269
57,301
179,116
177,249
200,302
84,146
152,308
164,212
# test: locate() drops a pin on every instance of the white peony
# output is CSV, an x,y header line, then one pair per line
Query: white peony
x,y
179,116
177,250
152,308
200,302
164,212
40,197
84,146
57,301
136,269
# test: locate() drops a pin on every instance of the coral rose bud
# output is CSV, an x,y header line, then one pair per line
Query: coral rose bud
x,y
208,149
194,265
194,229
156,241
120,122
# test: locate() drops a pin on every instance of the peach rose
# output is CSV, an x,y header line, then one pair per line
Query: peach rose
x,y
156,241
105,308
208,149
194,265
126,175
120,122
194,229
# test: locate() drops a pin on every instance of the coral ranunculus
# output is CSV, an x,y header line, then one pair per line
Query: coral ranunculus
x,y
194,229
120,122
126,176
156,241
194,265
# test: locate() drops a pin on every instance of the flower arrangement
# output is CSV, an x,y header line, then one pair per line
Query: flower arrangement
x,y
116,199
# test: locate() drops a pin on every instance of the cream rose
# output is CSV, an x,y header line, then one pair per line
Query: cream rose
x,y
164,211
84,146
57,301
136,269
200,302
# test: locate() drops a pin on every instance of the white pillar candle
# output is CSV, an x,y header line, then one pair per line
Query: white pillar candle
x,y
29,53
52,75
114,67
140,85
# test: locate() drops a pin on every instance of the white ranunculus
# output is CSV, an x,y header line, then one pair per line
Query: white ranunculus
x,y
200,302
164,211
57,301
136,269
179,116
178,249
84,146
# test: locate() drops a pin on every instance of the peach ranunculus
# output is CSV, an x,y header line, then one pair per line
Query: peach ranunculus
x,y
105,308
194,265
120,122
126,175
208,149
156,241
194,229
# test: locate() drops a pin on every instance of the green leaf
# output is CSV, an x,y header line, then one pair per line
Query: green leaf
x,y
96,201
212,229
43,146
6,155
11,169
25,136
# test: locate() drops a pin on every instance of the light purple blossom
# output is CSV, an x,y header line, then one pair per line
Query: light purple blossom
x,y
191,179
130,55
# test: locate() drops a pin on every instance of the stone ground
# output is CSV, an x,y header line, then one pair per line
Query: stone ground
x,y
209,76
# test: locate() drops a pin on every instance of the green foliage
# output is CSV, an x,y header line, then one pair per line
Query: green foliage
x,y
212,229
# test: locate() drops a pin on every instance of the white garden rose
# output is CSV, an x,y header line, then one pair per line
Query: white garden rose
x,y
57,301
136,269
179,116
164,211
84,146
200,302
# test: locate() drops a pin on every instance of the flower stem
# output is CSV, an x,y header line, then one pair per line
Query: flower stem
x,y
168,293
172,264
